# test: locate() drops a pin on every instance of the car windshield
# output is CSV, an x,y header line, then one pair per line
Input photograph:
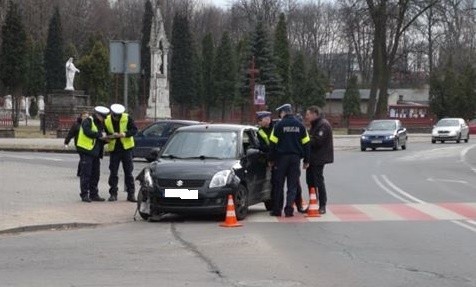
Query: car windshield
x,y
201,145
448,123
381,126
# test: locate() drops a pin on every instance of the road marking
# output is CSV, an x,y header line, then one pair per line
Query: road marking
x,y
30,157
387,190
463,213
463,157
458,213
447,180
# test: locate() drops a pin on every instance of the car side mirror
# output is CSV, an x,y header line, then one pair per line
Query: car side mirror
x,y
155,152
251,151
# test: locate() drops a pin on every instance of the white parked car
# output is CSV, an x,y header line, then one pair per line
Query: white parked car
x,y
450,129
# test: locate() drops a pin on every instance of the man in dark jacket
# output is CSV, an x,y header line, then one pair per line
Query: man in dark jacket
x,y
289,142
73,133
322,153
90,145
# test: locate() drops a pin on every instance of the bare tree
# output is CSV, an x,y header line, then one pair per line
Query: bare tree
x,y
390,19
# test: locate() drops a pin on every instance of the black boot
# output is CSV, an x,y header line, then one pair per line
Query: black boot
x,y
113,197
97,198
85,198
131,197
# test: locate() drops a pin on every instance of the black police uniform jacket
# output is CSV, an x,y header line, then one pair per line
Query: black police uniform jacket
x,y
289,136
322,145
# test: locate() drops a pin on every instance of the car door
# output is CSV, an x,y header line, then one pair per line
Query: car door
x,y
153,136
258,175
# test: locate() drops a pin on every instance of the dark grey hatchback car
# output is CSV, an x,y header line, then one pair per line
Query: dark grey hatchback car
x,y
199,167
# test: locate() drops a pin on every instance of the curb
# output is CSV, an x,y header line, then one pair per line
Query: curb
x,y
49,227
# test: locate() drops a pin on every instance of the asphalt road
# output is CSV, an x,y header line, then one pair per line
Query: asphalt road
x,y
404,218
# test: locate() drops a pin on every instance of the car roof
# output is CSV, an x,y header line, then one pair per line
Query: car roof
x,y
217,127
459,119
177,121
385,120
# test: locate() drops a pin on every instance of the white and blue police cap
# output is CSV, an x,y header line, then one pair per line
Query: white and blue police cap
x,y
101,110
117,109
284,108
262,114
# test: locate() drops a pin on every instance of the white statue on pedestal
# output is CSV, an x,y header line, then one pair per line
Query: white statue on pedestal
x,y
71,70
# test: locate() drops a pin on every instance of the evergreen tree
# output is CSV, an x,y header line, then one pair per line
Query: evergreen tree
x,y
54,54
264,62
208,59
351,101
315,87
182,89
225,74
443,92
145,49
282,56
465,103
95,77
13,56
298,82
35,74
71,51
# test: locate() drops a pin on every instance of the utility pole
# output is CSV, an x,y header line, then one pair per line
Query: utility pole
x,y
252,71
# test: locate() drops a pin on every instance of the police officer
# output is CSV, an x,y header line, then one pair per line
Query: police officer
x,y
264,130
289,142
90,145
121,129
73,133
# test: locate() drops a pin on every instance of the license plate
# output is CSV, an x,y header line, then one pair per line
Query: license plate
x,y
182,193
376,141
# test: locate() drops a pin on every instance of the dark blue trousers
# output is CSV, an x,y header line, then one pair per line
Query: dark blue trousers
x,y
89,178
287,169
115,158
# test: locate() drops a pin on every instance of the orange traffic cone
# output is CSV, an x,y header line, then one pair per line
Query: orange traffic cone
x,y
313,210
230,220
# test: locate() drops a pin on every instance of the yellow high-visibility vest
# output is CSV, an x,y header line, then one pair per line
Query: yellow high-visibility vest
x,y
84,141
127,142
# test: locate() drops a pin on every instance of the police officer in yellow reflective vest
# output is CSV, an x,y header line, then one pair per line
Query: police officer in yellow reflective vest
x,y
90,146
121,129
289,142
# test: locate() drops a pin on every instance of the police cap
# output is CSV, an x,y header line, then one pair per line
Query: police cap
x,y
262,114
117,109
284,108
101,110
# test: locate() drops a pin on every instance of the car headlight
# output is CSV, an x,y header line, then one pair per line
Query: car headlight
x,y
390,137
148,178
220,179
363,137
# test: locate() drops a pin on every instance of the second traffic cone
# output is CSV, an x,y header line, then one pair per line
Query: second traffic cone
x,y
230,220
313,209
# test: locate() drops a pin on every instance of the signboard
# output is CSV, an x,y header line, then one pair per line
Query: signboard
x,y
260,95
124,57
116,57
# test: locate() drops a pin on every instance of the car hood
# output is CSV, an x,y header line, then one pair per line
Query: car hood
x,y
190,168
449,128
378,133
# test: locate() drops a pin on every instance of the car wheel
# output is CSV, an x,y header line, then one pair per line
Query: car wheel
x,y
374,148
433,141
442,141
467,139
140,201
241,202
362,148
268,204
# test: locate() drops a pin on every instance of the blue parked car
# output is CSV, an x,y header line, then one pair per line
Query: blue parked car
x,y
151,139
384,133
